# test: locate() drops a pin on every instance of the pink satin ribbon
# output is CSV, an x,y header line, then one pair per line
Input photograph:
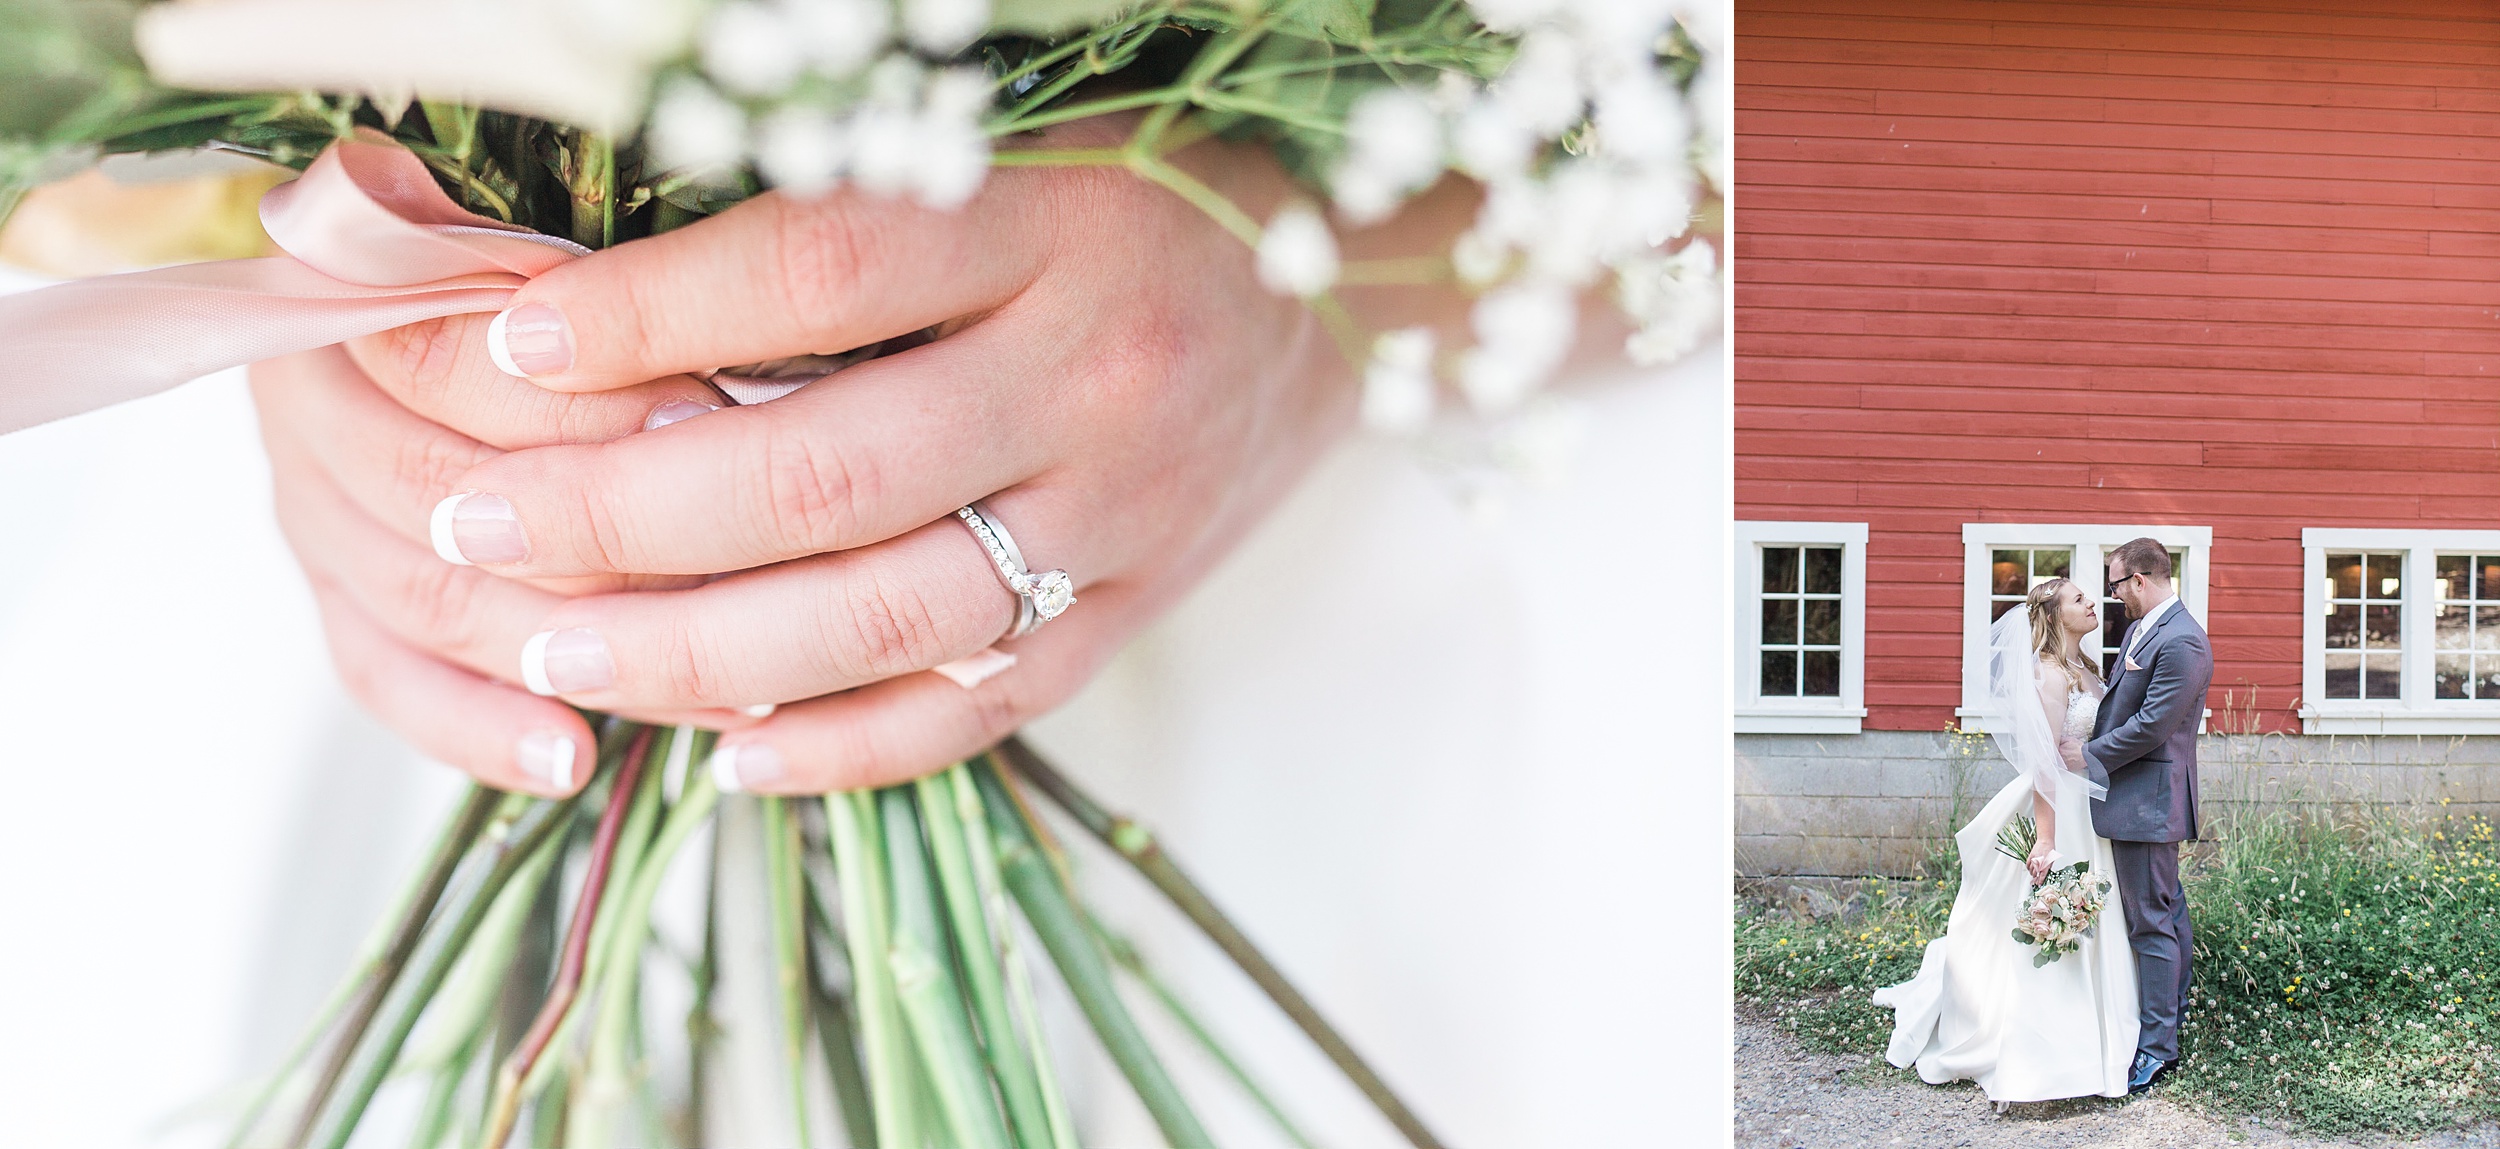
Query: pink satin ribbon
x,y
371,243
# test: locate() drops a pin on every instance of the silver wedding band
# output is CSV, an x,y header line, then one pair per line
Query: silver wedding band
x,y
1039,597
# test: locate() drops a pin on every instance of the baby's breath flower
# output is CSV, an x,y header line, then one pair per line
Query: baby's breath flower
x,y
1297,254
748,48
1397,384
692,126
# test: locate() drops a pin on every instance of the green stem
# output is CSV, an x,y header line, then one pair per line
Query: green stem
x,y
982,975
1136,844
1051,908
434,1117
623,790
983,847
837,1023
619,963
785,882
508,857
859,863
1124,954
1199,195
924,982
418,908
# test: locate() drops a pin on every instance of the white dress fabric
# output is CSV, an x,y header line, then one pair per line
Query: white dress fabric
x,y
1979,1010
1440,770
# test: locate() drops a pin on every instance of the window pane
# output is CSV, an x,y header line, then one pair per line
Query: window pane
x,y
2380,629
2343,675
2006,575
2454,578
2487,576
1822,674
2050,564
2383,677
1779,622
1779,569
2451,629
2455,678
1822,625
2178,571
2386,576
1997,609
1823,570
2343,572
1779,673
2487,628
2343,629
2487,677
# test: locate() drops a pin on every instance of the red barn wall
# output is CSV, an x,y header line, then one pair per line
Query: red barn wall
x,y
2225,264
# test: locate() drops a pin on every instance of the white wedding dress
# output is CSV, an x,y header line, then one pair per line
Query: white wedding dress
x,y
1979,1010
1440,769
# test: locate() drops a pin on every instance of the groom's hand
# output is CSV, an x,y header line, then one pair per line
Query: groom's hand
x,y
1114,382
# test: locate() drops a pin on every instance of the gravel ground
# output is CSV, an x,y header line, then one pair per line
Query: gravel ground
x,y
1788,1097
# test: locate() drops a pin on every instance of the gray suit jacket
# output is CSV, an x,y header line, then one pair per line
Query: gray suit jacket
x,y
2144,742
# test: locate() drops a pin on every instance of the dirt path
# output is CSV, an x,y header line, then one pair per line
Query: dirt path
x,y
1790,1098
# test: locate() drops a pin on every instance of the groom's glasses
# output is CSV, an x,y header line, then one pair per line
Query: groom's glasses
x,y
2122,580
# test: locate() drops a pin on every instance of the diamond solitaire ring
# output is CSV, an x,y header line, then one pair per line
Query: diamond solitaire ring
x,y
1040,597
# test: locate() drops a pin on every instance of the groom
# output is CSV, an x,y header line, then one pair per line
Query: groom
x,y
2143,749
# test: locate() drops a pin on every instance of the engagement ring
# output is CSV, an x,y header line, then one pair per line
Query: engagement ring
x,y
1039,597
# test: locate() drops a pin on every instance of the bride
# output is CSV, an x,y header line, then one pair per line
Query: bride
x,y
1979,1009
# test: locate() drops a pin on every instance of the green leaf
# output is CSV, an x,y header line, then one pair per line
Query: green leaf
x,y
1052,17
1339,21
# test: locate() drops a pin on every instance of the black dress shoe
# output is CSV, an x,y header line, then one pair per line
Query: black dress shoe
x,y
2147,1070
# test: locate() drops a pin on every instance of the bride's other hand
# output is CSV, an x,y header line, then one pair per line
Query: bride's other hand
x,y
2072,751
1115,383
2043,856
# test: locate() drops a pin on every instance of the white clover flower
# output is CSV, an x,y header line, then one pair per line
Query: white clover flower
x,y
1522,334
941,27
1397,384
1393,148
800,150
840,36
955,152
750,49
692,126
1297,254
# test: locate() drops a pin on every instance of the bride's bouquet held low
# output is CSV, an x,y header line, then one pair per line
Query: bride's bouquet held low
x,y
2063,908
452,150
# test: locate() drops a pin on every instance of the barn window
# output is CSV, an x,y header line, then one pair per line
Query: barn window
x,y
2402,633
1801,606
2003,561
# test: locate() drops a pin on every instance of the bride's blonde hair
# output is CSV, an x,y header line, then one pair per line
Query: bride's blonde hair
x,y
2048,637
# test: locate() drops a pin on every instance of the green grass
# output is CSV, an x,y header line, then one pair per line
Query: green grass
x,y
2345,975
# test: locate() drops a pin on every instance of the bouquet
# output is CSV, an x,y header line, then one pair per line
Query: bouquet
x,y
2063,908
514,985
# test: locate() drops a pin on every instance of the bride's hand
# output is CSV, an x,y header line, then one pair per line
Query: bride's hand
x,y
2043,856
1116,384
2072,751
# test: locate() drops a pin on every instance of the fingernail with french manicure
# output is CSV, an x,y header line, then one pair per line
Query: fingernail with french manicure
x,y
760,709
548,757
530,340
566,662
675,411
737,769
475,527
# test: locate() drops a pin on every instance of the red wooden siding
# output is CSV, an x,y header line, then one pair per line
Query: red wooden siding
x,y
2226,264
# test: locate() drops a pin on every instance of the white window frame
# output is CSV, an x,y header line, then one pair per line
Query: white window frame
x,y
2092,543
2418,710
1842,715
